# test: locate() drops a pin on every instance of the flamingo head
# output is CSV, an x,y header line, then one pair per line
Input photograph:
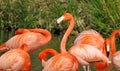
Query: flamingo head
x,y
65,17
21,30
42,56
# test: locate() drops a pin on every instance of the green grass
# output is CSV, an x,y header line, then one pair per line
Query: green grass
x,y
103,15
38,13
100,15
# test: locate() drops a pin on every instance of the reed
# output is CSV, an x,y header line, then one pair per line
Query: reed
x,y
102,14
38,13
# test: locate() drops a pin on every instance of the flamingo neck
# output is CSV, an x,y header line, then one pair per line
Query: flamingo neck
x,y
43,54
66,35
113,45
46,33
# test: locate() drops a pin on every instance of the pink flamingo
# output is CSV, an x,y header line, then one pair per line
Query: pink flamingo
x,y
43,55
90,37
82,51
63,61
16,60
34,38
21,31
102,66
84,44
109,51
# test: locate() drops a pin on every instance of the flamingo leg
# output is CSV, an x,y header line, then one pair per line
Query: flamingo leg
x,y
86,68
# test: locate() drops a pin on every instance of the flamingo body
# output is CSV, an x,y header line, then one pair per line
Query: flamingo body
x,y
116,60
102,66
61,62
109,52
87,38
90,37
15,60
87,53
34,40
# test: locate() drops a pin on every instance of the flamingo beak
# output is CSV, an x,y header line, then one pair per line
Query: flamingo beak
x,y
60,19
108,49
43,63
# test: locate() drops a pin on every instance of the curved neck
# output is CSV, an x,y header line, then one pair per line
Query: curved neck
x,y
112,37
46,33
21,31
67,33
43,54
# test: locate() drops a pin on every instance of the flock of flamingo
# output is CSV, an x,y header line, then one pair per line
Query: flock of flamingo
x,y
90,48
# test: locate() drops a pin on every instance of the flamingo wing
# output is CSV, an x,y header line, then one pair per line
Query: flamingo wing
x,y
61,62
88,53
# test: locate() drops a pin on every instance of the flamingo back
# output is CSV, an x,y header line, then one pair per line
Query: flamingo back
x,y
116,60
15,60
33,40
62,62
90,37
88,53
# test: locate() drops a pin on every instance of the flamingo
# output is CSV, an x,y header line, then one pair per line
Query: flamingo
x,y
34,38
115,56
24,30
84,51
62,61
43,55
90,37
21,31
116,60
16,60
112,42
102,66
109,51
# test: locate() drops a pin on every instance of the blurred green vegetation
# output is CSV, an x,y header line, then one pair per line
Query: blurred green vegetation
x,y
38,13
100,15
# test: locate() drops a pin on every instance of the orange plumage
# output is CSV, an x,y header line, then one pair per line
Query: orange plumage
x,y
16,60
109,50
63,61
34,38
